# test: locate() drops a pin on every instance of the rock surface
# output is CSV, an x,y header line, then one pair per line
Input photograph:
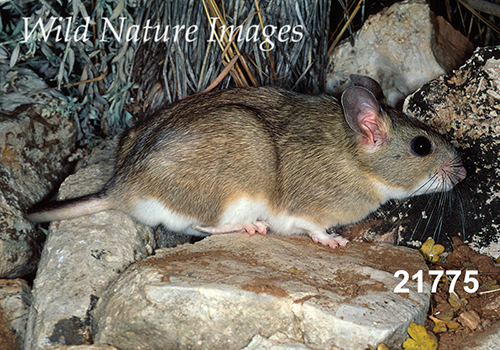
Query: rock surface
x,y
487,341
79,259
277,342
224,291
81,347
7,334
402,47
34,147
15,299
465,107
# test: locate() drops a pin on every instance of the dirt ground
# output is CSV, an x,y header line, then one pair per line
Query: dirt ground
x,y
467,316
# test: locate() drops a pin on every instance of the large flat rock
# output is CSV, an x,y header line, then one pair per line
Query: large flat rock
x,y
222,292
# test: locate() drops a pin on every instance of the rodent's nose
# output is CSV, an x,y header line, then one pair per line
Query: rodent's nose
x,y
453,170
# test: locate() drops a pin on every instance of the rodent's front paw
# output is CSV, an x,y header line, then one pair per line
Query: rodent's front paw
x,y
332,241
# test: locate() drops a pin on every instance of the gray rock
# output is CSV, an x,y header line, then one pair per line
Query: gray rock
x,y
402,47
465,107
7,333
15,299
80,258
81,347
487,341
276,342
33,153
224,291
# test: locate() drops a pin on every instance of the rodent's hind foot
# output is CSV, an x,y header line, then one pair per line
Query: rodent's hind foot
x,y
330,240
259,227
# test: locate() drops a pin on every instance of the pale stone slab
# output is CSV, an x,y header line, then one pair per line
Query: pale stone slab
x,y
81,347
402,47
80,258
224,291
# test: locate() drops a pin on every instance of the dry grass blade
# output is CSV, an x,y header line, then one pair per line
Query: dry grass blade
x,y
102,76
344,28
222,75
271,62
485,6
241,73
479,16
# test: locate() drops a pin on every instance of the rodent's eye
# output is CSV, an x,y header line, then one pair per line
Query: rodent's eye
x,y
421,146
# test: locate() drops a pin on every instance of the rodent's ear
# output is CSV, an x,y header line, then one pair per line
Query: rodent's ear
x,y
362,113
368,83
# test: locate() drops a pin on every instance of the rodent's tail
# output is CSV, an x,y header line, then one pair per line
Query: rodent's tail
x,y
69,209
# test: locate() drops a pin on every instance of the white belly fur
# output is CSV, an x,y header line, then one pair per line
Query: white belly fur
x,y
242,211
151,212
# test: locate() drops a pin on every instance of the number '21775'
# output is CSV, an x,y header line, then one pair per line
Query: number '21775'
x,y
419,276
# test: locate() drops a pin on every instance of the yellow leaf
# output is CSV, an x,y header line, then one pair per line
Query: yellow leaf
x,y
420,339
431,251
442,325
452,325
446,315
455,302
294,270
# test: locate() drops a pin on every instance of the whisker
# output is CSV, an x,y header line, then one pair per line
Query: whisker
x,y
430,204
421,218
416,199
432,180
438,205
432,213
444,196
456,194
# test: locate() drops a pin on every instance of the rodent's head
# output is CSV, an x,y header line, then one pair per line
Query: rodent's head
x,y
403,156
